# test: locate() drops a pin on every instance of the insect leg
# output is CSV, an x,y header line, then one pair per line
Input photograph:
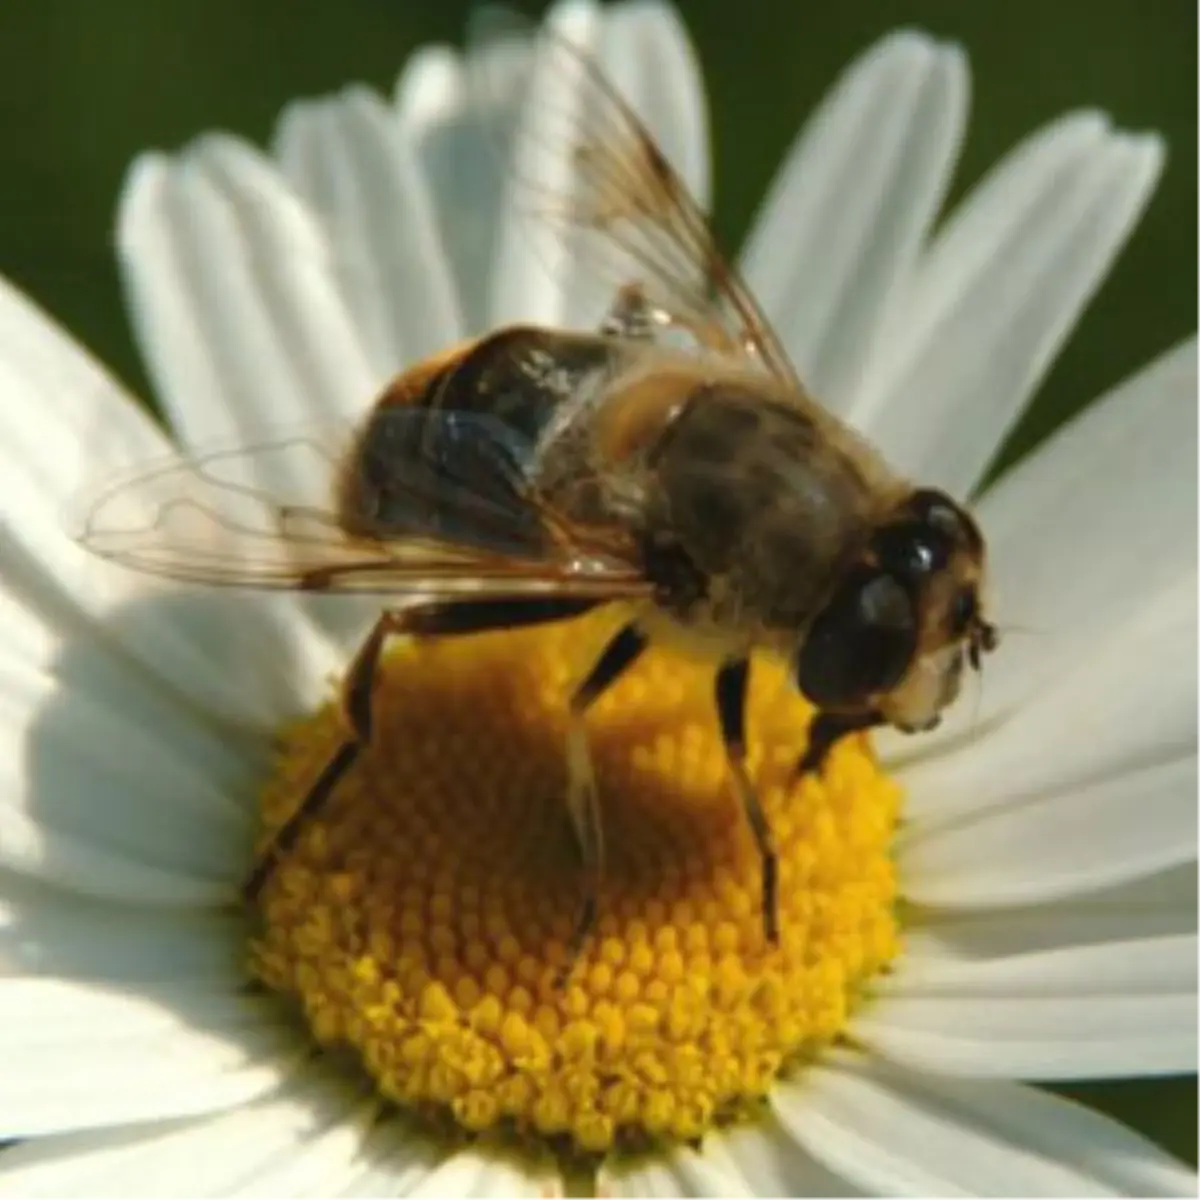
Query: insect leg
x,y
731,685
826,730
441,618
617,656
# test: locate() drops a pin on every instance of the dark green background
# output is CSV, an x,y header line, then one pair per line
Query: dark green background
x,y
86,84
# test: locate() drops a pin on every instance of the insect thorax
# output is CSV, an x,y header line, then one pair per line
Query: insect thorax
x,y
752,509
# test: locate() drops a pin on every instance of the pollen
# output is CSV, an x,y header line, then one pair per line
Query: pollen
x,y
423,917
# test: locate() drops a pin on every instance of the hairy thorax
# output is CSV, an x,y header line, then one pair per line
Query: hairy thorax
x,y
761,505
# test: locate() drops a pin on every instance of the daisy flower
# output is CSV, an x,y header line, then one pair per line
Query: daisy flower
x,y
1008,899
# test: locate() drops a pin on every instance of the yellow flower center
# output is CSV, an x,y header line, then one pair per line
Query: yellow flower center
x,y
423,917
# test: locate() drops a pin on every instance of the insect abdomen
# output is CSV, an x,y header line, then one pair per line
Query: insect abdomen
x,y
449,448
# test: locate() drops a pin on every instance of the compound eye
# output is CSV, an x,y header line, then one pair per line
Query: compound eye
x,y
938,511
911,550
861,643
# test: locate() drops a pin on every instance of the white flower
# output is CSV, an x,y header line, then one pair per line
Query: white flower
x,y
1050,845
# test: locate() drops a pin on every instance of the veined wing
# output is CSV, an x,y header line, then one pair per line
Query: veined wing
x,y
448,512
586,169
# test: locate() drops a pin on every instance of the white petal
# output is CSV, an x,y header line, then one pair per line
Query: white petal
x,y
66,428
998,293
234,293
234,296
1125,708
1119,828
679,1171
234,662
770,1162
315,1153
229,661
1086,537
393,1160
79,1056
477,1173
429,89
899,1134
76,773
347,159
1159,905
1084,1012
42,639
534,276
60,384
844,220
50,932
1153,966
31,848
309,1139
461,148
69,1164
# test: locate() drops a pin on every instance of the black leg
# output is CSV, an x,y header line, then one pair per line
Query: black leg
x,y
441,618
285,836
732,682
478,616
620,654
616,658
826,730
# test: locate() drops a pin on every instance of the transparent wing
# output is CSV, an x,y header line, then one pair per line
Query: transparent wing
x,y
585,171
435,504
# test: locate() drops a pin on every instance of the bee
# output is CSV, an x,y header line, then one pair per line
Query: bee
x,y
668,460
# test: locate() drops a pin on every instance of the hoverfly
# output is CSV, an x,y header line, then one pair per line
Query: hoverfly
x,y
669,460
